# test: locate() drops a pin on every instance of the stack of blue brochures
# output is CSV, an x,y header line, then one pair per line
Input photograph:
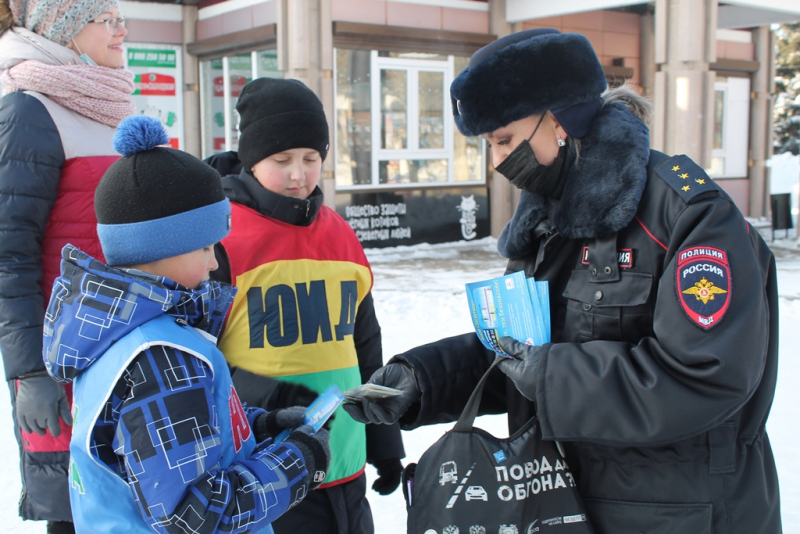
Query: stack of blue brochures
x,y
510,305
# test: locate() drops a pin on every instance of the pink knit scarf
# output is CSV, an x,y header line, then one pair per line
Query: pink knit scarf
x,y
100,93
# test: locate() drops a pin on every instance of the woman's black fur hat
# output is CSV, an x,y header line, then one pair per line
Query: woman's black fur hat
x,y
527,73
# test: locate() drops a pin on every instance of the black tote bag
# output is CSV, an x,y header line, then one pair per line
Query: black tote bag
x,y
470,482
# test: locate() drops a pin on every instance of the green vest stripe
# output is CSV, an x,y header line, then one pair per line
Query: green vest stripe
x,y
348,437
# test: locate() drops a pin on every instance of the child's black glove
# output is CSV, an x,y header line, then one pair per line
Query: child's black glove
x,y
270,424
389,473
315,450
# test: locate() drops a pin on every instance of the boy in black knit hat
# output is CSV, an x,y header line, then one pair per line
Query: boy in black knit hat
x,y
304,312
161,440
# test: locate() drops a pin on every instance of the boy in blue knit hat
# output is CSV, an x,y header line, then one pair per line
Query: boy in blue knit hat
x,y
161,442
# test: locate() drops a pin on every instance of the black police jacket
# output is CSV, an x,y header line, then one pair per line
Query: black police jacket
x,y
663,361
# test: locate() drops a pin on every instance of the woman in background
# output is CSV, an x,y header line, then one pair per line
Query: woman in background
x,y
64,92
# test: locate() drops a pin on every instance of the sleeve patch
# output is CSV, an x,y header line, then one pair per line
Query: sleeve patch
x,y
686,177
703,284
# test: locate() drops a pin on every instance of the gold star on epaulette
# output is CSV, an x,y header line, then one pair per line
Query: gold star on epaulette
x,y
700,181
684,175
676,168
685,187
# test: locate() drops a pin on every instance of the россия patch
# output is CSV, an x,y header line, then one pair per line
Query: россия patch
x,y
703,284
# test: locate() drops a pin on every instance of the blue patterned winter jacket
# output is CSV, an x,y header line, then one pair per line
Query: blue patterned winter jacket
x,y
160,441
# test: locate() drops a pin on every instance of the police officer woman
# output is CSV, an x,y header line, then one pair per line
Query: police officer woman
x,y
663,363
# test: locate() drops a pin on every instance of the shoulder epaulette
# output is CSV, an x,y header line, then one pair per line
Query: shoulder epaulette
x,y
686,177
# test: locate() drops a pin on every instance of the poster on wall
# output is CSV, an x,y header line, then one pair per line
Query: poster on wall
x,y
158,81
397,218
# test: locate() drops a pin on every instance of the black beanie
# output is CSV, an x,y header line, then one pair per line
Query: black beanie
x,y
157,202
527,73
277,115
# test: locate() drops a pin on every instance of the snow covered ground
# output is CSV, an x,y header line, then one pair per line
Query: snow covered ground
x,y
419,297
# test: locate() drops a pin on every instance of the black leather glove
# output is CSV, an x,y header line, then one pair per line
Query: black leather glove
x,y
315,450
389,473
270,424
40,402
287,394
522,368
388,410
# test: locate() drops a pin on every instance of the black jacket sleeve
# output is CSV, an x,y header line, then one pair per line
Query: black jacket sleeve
x,y
383,441
447,372
683,380
31,157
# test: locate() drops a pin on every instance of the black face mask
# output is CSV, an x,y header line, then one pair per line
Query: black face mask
x,y
524,171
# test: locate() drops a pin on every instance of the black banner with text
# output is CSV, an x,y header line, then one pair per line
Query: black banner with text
x,y
394,218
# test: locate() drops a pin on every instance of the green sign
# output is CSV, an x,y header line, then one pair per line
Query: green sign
x,y
146,57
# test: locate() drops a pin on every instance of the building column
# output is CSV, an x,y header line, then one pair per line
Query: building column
x,y
192,133
685,45
761,122
305,52
503,196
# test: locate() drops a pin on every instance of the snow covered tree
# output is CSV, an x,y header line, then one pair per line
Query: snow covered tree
x,y
787,89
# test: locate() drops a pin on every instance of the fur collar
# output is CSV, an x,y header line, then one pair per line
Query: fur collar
x,y
601,194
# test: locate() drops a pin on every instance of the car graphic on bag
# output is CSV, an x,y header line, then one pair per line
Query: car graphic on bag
x,y
448,472
476,493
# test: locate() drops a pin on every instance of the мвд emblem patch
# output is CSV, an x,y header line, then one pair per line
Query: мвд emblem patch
x,y
703,284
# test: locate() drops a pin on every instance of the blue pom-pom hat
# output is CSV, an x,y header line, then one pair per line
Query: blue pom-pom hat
x,y
139,133
156,202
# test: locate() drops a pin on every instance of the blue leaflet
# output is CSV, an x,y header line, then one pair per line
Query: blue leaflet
x,y
540,336
543,290
319,411
509,306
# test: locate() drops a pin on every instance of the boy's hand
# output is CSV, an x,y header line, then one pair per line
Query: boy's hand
x,y
315,450
40,402
388,410
270,424
389,473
